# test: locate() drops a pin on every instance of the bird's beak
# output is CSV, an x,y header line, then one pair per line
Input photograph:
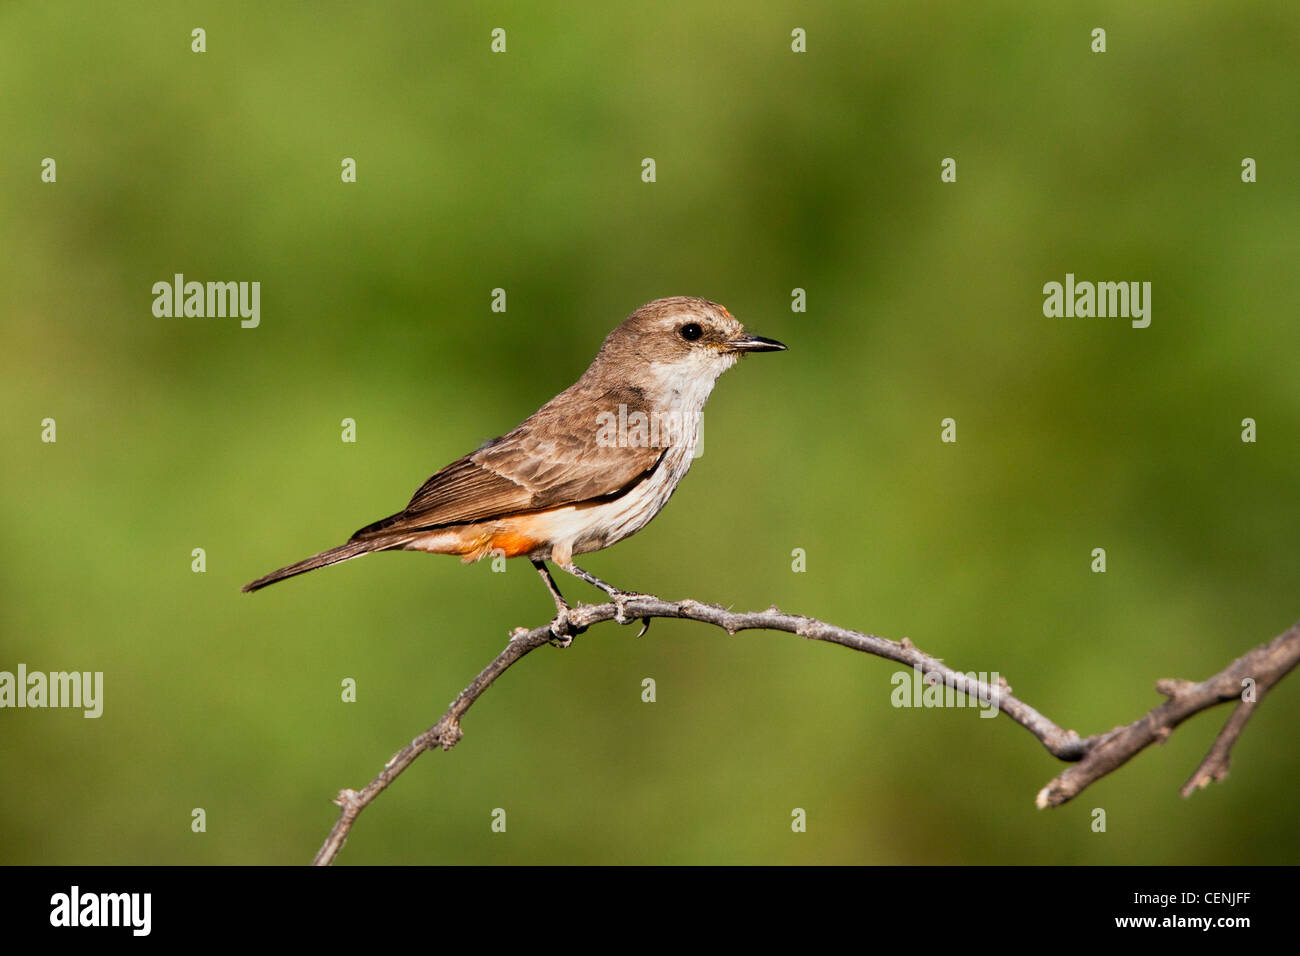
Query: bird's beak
x,y
754,343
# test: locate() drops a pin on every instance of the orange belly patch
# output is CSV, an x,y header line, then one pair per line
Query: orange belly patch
x,y
551,533
474,542
512,543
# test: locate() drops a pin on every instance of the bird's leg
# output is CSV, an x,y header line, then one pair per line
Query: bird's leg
x,y
561,626
618,595
591,579
561,605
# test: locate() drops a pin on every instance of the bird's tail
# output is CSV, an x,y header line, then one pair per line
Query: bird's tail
x,y
353,549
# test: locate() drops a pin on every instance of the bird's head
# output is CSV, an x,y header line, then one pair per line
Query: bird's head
x,y
679,341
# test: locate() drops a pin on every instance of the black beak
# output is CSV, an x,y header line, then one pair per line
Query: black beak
x,y
755,343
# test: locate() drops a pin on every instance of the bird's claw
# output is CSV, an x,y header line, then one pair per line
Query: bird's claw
x,y
563,630
620,599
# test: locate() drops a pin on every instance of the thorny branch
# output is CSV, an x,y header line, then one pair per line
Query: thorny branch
x,y
1246,680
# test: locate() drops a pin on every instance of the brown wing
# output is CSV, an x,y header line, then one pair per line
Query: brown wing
x,y
555,457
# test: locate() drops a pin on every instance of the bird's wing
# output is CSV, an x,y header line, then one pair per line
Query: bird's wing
x,y
558,456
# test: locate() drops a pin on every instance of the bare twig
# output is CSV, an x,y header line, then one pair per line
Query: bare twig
x,y
1247,679
1096,756
443,734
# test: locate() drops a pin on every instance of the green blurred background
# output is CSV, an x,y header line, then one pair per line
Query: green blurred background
x,y
521,170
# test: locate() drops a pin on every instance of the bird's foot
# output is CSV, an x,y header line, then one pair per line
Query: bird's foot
x,y
620,599
563,630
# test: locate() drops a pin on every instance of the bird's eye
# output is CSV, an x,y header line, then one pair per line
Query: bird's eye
x,y
691,331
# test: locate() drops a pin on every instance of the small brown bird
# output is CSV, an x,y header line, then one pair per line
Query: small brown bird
x,y
589,468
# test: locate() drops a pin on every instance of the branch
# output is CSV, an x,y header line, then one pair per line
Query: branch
x,y
445,733
1247,679
1096,756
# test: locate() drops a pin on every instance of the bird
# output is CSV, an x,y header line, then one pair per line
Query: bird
x,y
589,468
